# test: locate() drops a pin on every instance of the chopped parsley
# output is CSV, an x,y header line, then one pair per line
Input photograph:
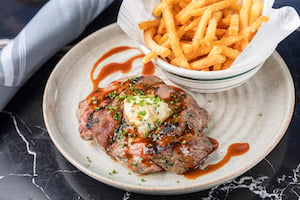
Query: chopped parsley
x,y
142,113
112,172
89,161
94,100
150,145
142,102
117,115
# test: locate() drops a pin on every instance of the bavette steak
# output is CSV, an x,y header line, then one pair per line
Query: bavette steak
x,y
146,125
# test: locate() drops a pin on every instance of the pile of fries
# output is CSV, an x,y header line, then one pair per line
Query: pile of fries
x,y
201,35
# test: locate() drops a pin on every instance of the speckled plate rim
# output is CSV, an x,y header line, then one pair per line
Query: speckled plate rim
x,y
178,189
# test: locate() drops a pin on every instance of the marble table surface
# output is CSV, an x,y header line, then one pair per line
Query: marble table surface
x,y
32,168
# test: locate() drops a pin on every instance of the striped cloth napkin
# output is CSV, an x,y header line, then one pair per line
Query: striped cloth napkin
x,y
55,25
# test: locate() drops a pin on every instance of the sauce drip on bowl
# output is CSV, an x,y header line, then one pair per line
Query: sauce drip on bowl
x,y
148,69
235,149
125,67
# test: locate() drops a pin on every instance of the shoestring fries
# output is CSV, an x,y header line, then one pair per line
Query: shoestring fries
x,y
203,35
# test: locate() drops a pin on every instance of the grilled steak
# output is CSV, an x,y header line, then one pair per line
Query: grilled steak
x,y
146,125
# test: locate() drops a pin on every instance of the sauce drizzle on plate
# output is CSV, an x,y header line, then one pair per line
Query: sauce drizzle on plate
x,y
125,67
235,149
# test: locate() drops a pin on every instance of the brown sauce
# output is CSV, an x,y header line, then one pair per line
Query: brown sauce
x,y
125,67
177,89
148,69
235,149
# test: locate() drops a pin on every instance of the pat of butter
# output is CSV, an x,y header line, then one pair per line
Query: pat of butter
x,y
144,111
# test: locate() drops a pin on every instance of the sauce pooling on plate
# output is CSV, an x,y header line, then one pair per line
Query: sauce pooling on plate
x,y
124,67
235,149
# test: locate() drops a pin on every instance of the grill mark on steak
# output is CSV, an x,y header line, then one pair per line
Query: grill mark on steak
x,y
91,121
177,144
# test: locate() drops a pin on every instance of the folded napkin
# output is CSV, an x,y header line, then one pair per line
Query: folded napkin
x,y
55,25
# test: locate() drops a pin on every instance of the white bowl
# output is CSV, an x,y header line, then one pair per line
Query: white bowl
x,y
209,85
205,81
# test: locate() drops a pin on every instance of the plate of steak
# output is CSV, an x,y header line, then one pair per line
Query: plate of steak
x,y
142,133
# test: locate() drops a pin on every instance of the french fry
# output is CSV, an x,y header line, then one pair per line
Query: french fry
x,y
224,23
229,52
244,19
207,62
183,4
254,26
173,38
188,35
173,2
230,40
157,38
218,15
199,35
148,38
244,42
255,11
164,39
198,12
227,64
217,67
162,27
244,14
228,12
233,28
211,30
157,11
194,5
216,50
148,24
149,57
199,51
176,9
220,32
235,6
190,6
192,25
238,46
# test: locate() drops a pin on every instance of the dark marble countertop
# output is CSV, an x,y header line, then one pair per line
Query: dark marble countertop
x,y
32,168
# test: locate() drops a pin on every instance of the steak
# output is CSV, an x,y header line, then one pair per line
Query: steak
x,y
146,125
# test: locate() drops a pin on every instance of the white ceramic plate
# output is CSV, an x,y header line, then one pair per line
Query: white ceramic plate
x,y
257,112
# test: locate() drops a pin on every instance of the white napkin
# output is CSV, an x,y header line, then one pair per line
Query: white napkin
x,y
282,22
55,25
